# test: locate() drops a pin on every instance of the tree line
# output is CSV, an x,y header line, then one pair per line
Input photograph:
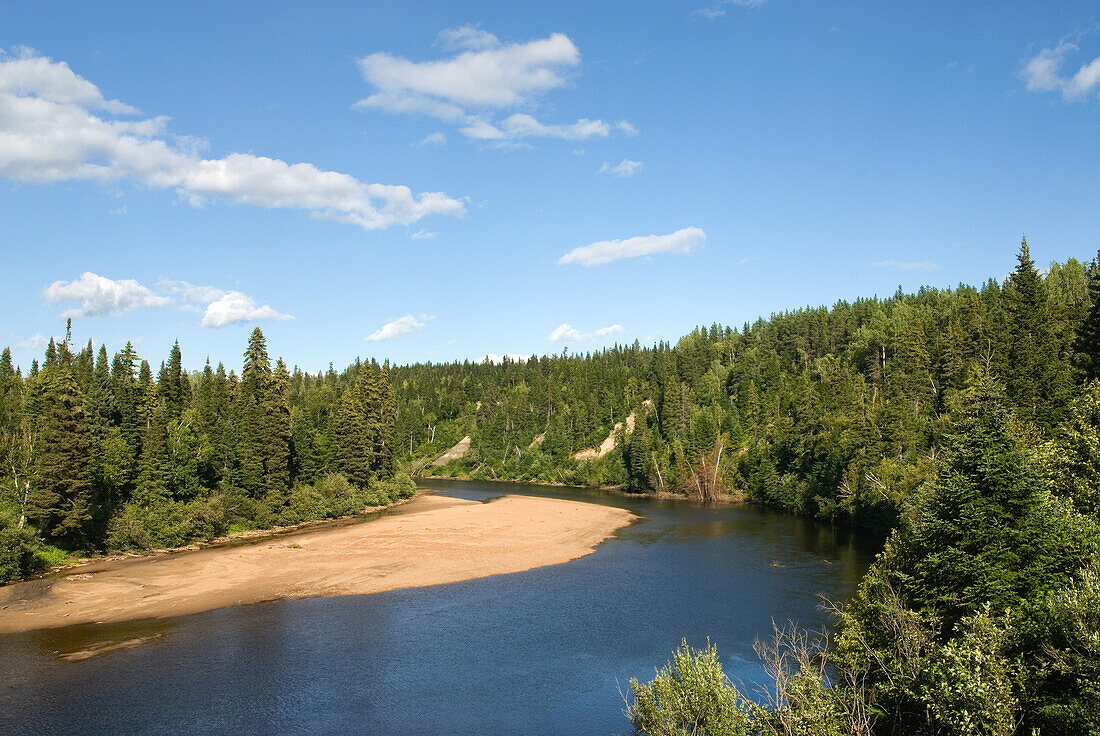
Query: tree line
x,y
964,422
100,454
836,413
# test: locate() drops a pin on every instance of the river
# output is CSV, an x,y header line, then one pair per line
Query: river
x,y
545,651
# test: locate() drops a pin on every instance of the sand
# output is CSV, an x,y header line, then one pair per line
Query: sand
x,y
432,540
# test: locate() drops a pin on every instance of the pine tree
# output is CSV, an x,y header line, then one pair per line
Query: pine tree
x,y
1087,344
124,393
983,535
151,485
1036,377
356,431
60,504
173,384
277,438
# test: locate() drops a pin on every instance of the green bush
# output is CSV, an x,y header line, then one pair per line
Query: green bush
x,y
166,523
691,695
17,553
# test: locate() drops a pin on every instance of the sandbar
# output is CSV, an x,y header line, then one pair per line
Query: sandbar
x,y
432,540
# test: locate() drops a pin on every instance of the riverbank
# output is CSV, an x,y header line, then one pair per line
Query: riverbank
x,y
431,540
724,499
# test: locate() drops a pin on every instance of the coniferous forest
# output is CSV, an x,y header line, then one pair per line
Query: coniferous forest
x,y
963,423
101,455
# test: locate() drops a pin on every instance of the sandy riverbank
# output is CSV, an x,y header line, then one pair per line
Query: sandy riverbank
x,y
433,540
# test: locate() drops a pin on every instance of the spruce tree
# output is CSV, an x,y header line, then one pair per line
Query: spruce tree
x,y
60,503
353,432
1036,376
277,438
251,414
1087,344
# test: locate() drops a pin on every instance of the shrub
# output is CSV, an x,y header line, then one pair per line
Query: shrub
x,y
691,695
17,553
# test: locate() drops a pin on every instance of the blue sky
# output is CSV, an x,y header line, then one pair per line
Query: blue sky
x,y
213,166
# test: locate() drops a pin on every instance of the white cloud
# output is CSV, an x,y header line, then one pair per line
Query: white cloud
x,y
424,234
233,306
433,139
513,357
625,168
908,265
99,295
483,75
1043,73
468,37
606,251
222,307
718,9
566,333
55,126
627,127
397,328
191,293
37,342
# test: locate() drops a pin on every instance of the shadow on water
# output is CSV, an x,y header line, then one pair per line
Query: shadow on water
x,y
539,652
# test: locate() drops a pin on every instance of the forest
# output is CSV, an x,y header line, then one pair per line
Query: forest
x,y
100,455
837,413
965,423
962,424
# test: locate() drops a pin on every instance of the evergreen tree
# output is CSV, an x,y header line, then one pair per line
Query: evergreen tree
x,y
1087,344
60,503
1036,375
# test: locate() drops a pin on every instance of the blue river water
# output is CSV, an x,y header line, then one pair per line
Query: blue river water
x,y
545,651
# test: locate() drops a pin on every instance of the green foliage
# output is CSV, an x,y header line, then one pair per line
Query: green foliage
x,y
969,688
100,454
17,553
690,695
833,412
157,523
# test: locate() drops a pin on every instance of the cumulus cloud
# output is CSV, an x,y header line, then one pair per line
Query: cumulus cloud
x,y
481,77
397,328
233,306
57,126
99,295
37,342
606,251
908,265
423,234
625,168
566,333
1043,73
222,307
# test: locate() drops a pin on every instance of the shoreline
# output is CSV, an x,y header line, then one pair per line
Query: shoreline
x,y
724,500
248,536
433,540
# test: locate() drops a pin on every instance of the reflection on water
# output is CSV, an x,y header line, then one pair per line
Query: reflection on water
x,y
543,651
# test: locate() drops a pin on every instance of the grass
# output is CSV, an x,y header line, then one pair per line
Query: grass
x,y
49,556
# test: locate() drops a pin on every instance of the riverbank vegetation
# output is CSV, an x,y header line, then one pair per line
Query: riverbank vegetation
x,y
965,422
98,454
837,413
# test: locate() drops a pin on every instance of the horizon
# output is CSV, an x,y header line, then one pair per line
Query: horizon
x,y
439,184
